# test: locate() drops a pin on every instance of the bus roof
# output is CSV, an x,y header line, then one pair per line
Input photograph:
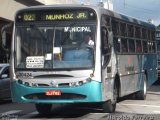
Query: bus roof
x,y
99,10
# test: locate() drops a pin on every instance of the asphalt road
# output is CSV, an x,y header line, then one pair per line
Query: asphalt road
x,y
127,109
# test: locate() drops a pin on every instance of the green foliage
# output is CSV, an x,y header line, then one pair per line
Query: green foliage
x,y
158,27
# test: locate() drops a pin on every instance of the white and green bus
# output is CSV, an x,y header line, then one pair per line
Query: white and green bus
x,y
49,65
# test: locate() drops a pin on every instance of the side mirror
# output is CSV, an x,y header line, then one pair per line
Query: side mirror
x,y
4,76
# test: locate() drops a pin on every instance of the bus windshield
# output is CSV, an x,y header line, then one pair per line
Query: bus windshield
x,y
55,47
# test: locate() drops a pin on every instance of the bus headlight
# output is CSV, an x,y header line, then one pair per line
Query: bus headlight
x,y
27,84
79,83
20,81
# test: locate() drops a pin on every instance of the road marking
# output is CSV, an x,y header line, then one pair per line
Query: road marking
x,y
29,115
95,116
32,114
156,106
157,112
10,112
157,93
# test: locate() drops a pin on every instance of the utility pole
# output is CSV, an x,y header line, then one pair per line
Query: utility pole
x,y
88,2
124,3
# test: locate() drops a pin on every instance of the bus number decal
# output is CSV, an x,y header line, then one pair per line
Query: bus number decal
x,y
25,75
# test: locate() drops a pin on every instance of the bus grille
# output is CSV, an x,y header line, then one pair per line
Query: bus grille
x,y
64,96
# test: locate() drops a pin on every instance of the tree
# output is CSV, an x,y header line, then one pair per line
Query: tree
x,y
158,27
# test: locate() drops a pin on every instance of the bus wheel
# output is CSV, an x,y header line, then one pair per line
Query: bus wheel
x,y
44,108
141,95
110,105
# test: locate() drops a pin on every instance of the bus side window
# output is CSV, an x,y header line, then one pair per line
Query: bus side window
x,y
144,33
123,29
149,47
158,46
104,40
131,45
117,42
149,34
153,47
137,32
130,30
115,27
105,46
153,34
145,47
138,46
124,45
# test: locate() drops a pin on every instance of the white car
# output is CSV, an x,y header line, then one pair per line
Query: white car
x,y
5,91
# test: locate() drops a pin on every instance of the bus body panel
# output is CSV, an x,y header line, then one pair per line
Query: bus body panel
x,y
150,66
131,70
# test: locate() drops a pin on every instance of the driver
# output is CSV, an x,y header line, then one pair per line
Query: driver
x,y
87,43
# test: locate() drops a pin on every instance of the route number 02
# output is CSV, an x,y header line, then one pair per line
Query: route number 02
x,y
29,17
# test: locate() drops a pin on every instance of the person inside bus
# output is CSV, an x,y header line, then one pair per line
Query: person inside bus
x,y
124,46
138,46
87,43
84,52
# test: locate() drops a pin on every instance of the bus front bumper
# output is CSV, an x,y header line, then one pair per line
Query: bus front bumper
x,y
89,92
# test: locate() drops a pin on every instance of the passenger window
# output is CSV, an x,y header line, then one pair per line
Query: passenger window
x,y
117,42
115,27
123,29
157,34
106,50
150,44
153,35
144,33
137,32
149,34
138,46
124,45
153,48
145,47
104,40
131,45
130,29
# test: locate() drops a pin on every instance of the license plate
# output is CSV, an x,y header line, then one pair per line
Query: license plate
x,y
53,92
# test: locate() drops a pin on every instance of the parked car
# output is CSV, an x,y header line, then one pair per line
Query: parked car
x,y
5,91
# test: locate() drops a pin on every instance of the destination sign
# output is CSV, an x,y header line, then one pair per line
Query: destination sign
x,y
66,16
55,15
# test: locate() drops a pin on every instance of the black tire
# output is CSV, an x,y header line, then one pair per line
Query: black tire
x,y
43,108
141,95
110,105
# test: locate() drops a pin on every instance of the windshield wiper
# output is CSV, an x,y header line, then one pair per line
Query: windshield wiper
x,y
67,35
52,75
41,34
